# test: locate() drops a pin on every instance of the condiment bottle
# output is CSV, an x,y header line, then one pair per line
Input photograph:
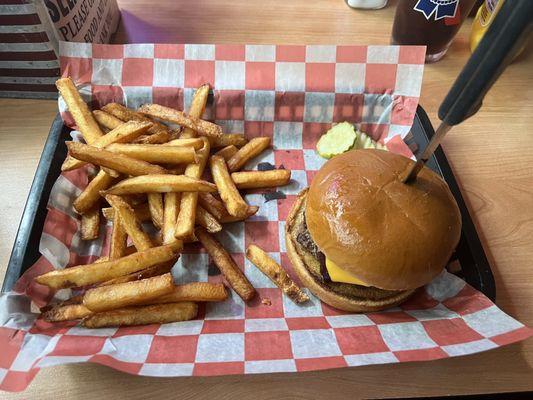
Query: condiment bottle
x,y
483,19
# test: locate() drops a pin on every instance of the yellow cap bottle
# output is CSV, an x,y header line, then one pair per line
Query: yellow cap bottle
x,y
483,19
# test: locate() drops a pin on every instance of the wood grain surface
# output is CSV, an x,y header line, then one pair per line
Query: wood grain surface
x,y
491,155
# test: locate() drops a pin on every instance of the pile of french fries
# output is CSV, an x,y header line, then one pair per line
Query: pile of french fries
x,y
150,173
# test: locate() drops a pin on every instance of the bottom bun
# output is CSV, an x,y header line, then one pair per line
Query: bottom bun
x,y
347,297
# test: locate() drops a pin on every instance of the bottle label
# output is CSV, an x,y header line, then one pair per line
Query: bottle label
x,y
487,12
491,5
437,9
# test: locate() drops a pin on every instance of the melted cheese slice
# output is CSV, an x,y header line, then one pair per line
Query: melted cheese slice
x,y
339,275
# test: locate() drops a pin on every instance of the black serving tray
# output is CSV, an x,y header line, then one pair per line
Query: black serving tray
x,y
474,267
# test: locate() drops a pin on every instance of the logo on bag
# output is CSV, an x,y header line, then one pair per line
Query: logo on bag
x,y
440,8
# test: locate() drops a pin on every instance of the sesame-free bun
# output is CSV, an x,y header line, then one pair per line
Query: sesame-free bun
x,y
388,234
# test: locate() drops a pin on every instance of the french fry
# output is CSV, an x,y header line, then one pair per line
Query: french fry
x,y
161,184
158,133
91,194
250,150
228,139
196,143
170,215
124,113
207,220
227,152
159,137
187,210
123,133
143,315
227,218
130,222
276,273
118,162
196,291
261,179
231,197
142,211
156,154
107,120
67,312
155,205
227,266
216,208
84,275
119,240
121,295
156,270
204,128
90,223
111,172
212,204
197,109
87,125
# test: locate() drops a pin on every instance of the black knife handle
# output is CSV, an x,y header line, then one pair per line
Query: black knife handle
x,y
505,37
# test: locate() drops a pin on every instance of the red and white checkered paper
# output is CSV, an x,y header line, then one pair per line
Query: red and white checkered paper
x,y
292,94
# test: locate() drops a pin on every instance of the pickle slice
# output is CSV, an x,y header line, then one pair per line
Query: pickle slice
x,y
337,140
366,142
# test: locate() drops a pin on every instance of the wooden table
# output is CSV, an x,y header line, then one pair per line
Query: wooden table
x,y
491,154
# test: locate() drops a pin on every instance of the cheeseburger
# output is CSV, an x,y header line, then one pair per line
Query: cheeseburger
x,y
361,240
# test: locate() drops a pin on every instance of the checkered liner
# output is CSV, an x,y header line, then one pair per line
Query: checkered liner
x,y
293,94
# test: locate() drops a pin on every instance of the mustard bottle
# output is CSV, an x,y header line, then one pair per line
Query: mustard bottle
x,y
484,17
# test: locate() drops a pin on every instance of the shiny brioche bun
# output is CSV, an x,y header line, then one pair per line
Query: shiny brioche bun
x,y
351,303
388,234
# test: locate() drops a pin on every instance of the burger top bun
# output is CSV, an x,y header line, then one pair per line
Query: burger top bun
x,y
388,234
